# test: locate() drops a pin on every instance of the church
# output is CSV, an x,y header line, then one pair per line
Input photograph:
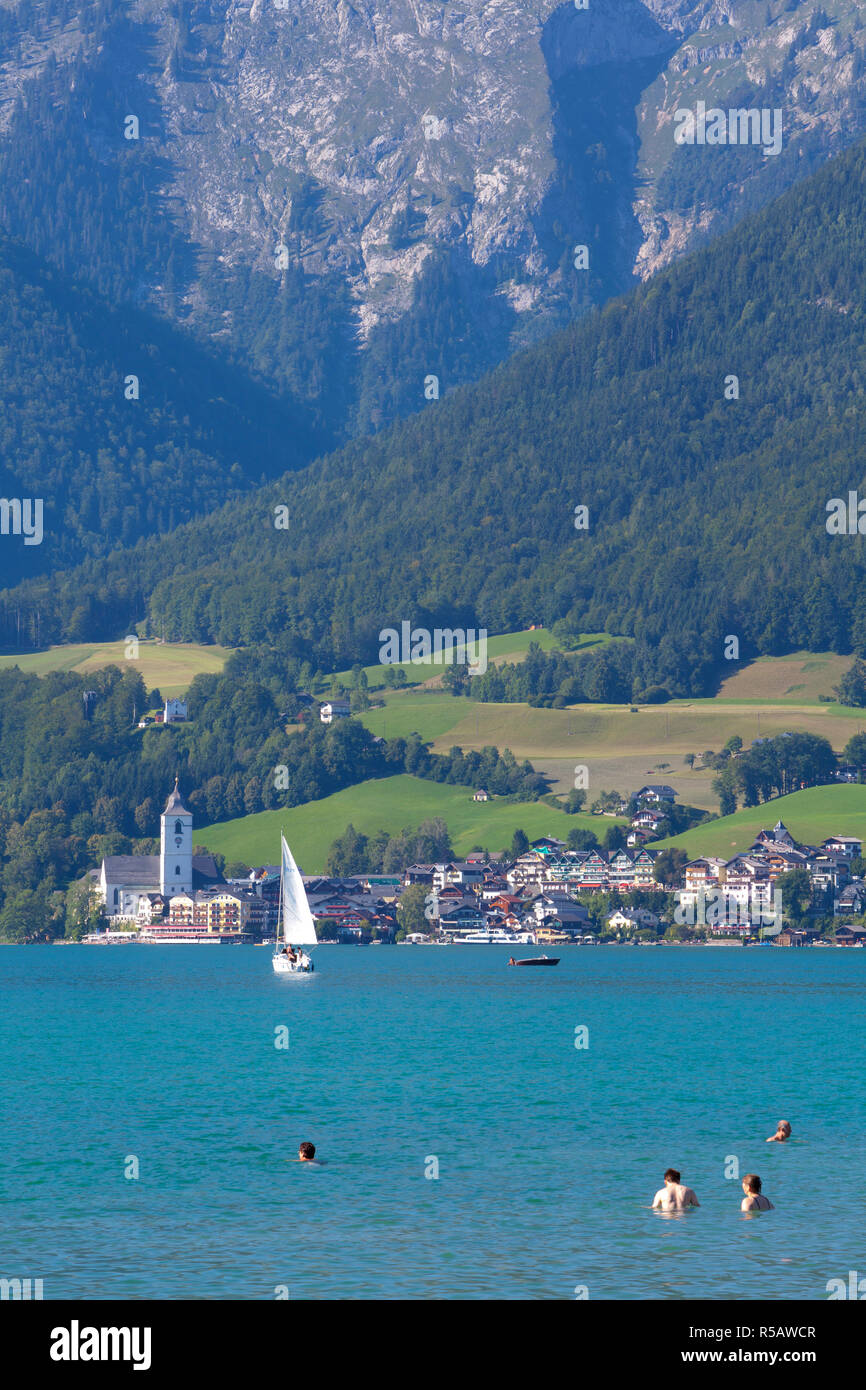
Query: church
x,y
124,878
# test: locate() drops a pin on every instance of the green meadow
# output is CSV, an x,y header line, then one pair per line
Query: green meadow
x,y
811,816
391,804
507,647
168,666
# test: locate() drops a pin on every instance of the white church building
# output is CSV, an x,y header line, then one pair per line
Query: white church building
x,y
124,878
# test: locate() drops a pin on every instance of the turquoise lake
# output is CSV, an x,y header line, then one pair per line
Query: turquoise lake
x,y
548,1155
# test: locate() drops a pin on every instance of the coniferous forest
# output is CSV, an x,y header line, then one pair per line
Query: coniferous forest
x,y
702,422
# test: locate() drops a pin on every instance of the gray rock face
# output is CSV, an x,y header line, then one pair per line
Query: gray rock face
x,y
356,139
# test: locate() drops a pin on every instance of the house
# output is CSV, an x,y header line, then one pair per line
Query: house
x,y
638,835
848,845
481,795
656,792
632,919
151,907
647,820
779,835
457,921
418,873
851,902
548,844
458,872
850,936
334,709
551,936
560,909
175,711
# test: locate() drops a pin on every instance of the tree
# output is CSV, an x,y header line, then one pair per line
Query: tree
x,y
348,854
581,839
796,892
855,752
410,909
519,844
456,679
668,868
724,787
615,838
82,910
574,802
851,690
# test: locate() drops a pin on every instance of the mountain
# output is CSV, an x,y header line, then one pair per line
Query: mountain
x,y
705,421
116,424
348,197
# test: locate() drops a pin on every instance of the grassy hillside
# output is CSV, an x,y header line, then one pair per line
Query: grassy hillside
x,y
621,749
811,816
506,646
391,804
796,679
170,666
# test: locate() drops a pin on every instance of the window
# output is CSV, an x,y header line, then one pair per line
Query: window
x,y
177,870
178,827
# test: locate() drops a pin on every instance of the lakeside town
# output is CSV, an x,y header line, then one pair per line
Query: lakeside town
x,y
775,892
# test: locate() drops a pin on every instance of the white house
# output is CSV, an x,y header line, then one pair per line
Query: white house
x,y
334,709
174,710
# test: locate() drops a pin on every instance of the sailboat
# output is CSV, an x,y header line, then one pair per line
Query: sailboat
x,y
297,927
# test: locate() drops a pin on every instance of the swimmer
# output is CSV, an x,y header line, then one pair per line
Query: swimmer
x,y
307,1153
754,1199
783,1132
674,1196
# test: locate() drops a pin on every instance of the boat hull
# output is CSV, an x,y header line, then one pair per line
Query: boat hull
x,y
537,960
283,966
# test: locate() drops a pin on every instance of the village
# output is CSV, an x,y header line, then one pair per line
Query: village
x,y
776,892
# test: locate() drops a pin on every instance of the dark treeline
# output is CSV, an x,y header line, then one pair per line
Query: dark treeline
x,y
776,766
79,779
706,516
612,674
107,467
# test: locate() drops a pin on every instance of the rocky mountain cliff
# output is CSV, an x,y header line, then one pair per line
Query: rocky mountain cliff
x,y
352,195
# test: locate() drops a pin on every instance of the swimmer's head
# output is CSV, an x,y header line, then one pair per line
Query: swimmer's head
x,y
672,1175
751,1183
307,1151
783,1128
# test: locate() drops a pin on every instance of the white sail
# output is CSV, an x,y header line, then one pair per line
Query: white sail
x,y
299,927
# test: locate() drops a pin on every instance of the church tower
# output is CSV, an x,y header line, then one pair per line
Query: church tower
x,y
175,849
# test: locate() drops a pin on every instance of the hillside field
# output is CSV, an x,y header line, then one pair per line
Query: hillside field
x,y
621,750
392,804
505,647
811,816
170,666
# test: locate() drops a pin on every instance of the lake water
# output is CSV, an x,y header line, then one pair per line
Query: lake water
x,y
548,1155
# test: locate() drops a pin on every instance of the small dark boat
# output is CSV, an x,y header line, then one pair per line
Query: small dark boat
x,y
536,960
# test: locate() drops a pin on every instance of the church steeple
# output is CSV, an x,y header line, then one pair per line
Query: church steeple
x,y
175,847
175,801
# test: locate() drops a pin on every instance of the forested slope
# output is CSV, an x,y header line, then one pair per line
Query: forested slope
x,y
707,515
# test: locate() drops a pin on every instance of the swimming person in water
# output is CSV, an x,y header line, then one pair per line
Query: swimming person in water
x,y
674,1196
754,1200
783,1132
307,1152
